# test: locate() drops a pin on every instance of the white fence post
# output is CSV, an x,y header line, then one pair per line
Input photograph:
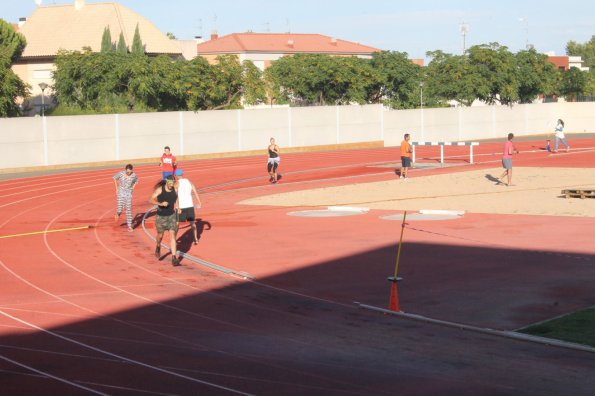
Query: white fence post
x,y
117,126
44,127
338,137
290,138
239,115
181,126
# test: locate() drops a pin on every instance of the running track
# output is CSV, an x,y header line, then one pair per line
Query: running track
x,y
92,311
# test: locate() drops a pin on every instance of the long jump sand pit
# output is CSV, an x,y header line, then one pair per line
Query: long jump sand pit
x,y
535,191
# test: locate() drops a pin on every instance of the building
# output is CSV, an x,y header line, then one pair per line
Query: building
x,y
566,62
73,27
263,48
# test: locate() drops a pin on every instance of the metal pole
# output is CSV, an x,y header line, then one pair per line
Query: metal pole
x,y
400,244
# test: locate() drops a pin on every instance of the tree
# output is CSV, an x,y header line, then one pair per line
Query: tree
x,y
252,83
106,40
535,75
137,45
316,79
574,83
452,77
170,36
121,48
396,80
586,51
496,66
12,87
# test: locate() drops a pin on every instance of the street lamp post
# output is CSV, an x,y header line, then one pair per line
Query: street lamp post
x,y
43,87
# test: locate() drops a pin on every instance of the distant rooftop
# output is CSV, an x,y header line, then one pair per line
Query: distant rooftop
x,y
72,27
286,43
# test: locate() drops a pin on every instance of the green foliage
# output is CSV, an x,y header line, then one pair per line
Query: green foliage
x,y
106,40
395,81
121,48
314,79
11,86
535,75
171,36
252,83
117,81
586,51
452,77
12,43
496,66
137,45
574,83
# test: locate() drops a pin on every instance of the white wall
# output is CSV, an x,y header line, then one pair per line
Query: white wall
x,y
37,141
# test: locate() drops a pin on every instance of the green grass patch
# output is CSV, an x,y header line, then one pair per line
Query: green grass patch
x,y
577,327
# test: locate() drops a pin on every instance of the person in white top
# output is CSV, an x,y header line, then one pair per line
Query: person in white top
x,y
185,202
560,136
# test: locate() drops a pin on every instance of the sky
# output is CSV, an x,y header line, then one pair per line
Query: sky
x,y
412,26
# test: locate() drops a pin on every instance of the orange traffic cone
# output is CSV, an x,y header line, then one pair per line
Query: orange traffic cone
x,y
393,304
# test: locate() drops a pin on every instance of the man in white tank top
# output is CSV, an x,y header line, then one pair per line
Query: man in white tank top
x,y
185,202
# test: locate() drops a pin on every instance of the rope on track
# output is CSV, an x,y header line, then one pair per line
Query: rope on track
x,y
229,271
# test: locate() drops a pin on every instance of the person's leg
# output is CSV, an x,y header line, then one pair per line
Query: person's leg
x,y
119,205
509,171
174,248
565,144
556,139
128,204
158,239
275,172
194,231
270,170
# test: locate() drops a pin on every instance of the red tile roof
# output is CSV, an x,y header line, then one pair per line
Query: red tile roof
x,y
285,43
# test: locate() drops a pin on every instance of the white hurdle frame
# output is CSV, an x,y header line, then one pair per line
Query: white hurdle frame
x,y
442,144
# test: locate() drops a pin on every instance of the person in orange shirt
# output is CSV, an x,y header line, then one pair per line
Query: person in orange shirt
x,y
406,151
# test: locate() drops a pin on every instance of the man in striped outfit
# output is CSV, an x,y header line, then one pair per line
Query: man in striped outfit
x,y
125,182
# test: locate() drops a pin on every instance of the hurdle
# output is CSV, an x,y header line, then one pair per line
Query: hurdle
x,y
442,144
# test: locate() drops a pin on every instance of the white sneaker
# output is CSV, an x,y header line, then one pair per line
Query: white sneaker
x,y
401,177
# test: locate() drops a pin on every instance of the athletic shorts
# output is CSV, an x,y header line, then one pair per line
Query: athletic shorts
x,y
166,223
187,214
273,163
507,163
406,162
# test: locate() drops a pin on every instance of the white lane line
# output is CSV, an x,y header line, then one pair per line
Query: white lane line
x,y
48,375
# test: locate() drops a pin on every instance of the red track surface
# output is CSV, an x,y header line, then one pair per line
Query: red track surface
x,y
92,311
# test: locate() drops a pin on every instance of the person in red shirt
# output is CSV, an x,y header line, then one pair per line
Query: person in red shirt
x,y
406,151
509,149
167,163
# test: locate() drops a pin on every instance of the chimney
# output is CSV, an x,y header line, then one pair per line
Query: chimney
x,y
22,21
290,43
79,4
198,39
214,35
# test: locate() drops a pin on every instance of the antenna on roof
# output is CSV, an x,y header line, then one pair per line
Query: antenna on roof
x,y
288,25
199,26
267,26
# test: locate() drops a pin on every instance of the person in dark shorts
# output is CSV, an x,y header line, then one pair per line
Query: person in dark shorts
x,y
165,197
273,161
509,149
185,203
406,151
